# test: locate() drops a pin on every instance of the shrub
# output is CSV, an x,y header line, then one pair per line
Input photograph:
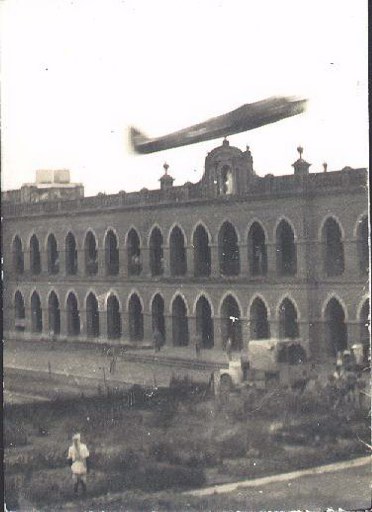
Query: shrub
x,y
14,434
155,477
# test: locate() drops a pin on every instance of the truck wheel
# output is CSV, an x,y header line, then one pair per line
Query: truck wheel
x,y
226,384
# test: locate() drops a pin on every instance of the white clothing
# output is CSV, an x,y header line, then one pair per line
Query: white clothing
x,y
78,457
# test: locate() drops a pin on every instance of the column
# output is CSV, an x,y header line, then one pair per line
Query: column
x,y
44,262
218,341
215,264
124,326
147,328
166,259
190,260
191,322
302,263
351,256
353,332
244,266
103,326
101,254
245,332
62,261
63,320
145,261
168,330
274,328
123,262
271,259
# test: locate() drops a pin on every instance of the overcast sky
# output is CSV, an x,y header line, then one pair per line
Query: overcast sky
x,y
76,74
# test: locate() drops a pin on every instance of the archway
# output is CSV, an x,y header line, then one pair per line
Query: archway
x,y
18,258
259,326
36,313
335,327
285,250
19,312
135,318
113,318
111,254
73,316
156,253
92,317
52,255
91,254
257,255
333,248
180,327
204,323
157,313
231,326
71,255
35,261
202,252
54,314
228,249
288,324
178,261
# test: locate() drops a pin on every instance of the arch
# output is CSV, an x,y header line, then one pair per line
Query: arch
x,y
36,313
71,254
135,317
113,317
52,254
157,315
90,253
177,252
288,319
19,312
336,220
259,325
204,322
365,328
286,252
333,248
111,245
92,315
202,251
180,327
73,315
54,314
35,258
362,235
335,328
257,252
133,243
18,256
228,250
231,326
156,252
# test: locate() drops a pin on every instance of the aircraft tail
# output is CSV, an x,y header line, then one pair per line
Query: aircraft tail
x,y
136,139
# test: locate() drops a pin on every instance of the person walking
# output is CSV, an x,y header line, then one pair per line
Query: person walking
x,y
78,455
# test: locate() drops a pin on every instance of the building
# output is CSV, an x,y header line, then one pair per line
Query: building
x,y
234,255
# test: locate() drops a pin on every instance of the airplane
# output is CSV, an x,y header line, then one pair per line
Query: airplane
x,y
244,118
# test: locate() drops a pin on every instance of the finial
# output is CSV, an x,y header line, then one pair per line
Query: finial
x,y
300,150
166,167
325,165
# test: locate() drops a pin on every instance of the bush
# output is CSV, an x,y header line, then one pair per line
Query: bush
x,y
156,477
14,434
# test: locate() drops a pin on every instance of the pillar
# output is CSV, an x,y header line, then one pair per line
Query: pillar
x,y
124,326
271,259
62,261
191,322
215,264
244,264
218,342
44,262
63,320
166,259
147,327
190,260
302,263
351,258
103,325
145,260
123,262
245,332
101,255
168,330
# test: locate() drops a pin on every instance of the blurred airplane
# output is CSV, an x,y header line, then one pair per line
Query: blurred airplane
x,y
242,119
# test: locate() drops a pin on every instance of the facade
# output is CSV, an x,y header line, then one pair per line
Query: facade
x,y
234,256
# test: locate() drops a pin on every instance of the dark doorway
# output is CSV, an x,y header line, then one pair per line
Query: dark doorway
x,y
91,254
335,328
288,325
228,250
178,261
134,253
258,321
156,253
113,318
363,253
111,254
19,312
157,312
204,323
202,252
73,316
18,258
135,319
71,255
333,257
231,326
92,316
52,255
35,260
285,250
180,328
36,313
257,256
54,314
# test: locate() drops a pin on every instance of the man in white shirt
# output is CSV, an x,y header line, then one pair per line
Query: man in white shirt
x,y
77,456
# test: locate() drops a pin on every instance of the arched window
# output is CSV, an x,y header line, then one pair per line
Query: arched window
x,y
258,321
54,314
365,326
202,252
228,250
113,318
52,255
288,325
333,248
134,253
111,254
36,313
157,313
92,313
91,254
73,316
363,253
204,323
18,258
35,261
231,326
285,250
257,255
135,318
19,312
180,328
156,253
178,261
71,255
335,328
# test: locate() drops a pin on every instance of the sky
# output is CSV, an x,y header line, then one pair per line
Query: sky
x,y
76,74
